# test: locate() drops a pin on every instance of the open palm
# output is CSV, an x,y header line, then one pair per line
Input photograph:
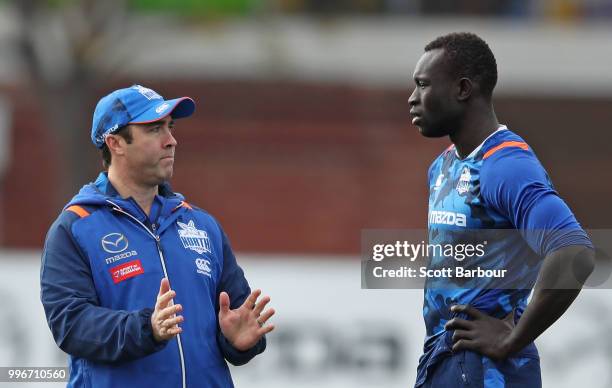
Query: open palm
x,y
244,326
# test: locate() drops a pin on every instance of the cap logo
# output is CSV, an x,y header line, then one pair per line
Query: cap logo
x,y
111,129
162,107
148,93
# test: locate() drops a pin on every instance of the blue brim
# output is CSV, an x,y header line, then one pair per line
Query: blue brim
x,y
177,108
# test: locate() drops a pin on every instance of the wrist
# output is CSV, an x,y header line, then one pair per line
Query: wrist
x,y
509,346
147,328
233,345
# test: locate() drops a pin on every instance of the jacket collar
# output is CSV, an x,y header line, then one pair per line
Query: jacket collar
x,y
169,200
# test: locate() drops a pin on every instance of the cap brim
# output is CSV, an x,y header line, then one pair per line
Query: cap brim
x,y
177,108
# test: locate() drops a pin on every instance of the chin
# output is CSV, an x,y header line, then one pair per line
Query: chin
x,y
164,176
432,133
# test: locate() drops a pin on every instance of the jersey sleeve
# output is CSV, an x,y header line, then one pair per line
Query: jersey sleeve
x,y
235,284
514,183
80,326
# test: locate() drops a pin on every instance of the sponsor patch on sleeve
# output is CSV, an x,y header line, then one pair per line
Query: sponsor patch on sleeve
x,y
126,271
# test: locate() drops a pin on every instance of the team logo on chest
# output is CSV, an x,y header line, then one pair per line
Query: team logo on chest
x,y
203,266
464,181
193,238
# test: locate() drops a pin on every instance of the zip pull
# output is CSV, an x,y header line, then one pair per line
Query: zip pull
x,y
157,238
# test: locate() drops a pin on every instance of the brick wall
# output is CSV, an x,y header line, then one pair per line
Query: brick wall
x,y
291,167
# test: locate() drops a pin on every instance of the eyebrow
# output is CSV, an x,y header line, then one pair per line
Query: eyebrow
x,y
159,122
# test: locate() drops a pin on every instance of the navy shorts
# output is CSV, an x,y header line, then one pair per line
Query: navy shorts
x,y
470,369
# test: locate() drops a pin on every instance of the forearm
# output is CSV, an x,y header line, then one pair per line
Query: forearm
x,y
561,278
80,326
103,335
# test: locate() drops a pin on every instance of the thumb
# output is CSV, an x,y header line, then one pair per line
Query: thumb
x,y
164,286
224,303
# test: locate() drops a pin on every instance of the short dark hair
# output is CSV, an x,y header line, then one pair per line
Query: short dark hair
x,y
126,133
468,56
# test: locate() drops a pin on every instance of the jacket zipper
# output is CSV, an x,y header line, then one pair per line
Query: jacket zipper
x,y
461,362
163,264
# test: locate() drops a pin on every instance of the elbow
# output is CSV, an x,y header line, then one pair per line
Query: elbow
x,y
584,264
60,331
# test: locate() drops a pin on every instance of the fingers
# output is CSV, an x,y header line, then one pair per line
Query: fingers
x,y
469,310
174,331
462,334
252,299
165,322
458,323
264,330
260,305
464,344
166,333
170,323
245,325
164,286
164,299
263,318
169,312
224,303
261,315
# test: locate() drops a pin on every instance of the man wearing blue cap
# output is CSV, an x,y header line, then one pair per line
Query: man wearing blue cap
x,y
139,287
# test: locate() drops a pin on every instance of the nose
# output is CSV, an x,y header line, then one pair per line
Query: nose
x,y
414,98
170,140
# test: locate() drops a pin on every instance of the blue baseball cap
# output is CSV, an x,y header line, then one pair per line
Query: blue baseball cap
x,y
134,105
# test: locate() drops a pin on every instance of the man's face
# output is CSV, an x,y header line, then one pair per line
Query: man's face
x,y
150,156
433,104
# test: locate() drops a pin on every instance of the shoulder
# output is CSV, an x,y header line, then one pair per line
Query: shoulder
x,y
70,216
64,230
511,171
190,208
73,221
501,143
508,157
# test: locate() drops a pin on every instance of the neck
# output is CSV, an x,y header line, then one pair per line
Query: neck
x,y
474,129
127,187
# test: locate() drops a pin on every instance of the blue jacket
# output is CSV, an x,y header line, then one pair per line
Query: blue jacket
x,y
101,268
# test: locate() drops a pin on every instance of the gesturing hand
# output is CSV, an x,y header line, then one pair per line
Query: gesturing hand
x,y
484,334
244,326
164,319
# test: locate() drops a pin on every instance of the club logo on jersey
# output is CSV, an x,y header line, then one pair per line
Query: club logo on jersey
x,y
438,182
126,271
114,243
193,238
464,181
203,267
447,218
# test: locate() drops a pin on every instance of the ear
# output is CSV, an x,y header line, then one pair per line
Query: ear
x,y
465,87
116,144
